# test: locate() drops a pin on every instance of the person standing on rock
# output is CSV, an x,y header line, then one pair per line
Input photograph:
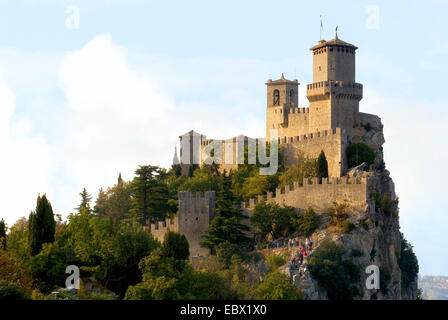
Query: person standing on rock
x,y
300,257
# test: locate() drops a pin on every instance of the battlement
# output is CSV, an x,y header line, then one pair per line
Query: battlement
x,y
330,133
323,89
315,195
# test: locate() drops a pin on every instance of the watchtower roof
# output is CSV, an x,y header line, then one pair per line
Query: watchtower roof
x,y
282,81
333,42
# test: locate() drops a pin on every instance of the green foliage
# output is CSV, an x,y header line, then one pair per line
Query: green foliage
x,y
2,234
11,292
111,256
48,267
277,286
149,194
322,166
337,276
358,153
115,203
339,216
226,225
176,245
384,203
275,261
273,220
303,168
18,246
307,222
41,225
85,201
408,263
227,251
163,281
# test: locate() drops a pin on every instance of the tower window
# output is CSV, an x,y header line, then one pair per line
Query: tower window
x,y
276,97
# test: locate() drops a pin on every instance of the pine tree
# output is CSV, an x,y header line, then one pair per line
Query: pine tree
x,y
2,234
322,166
41,225
100,208
150,194
120,180
226,226
85,201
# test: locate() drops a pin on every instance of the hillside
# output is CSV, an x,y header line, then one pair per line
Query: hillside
x,y
434,287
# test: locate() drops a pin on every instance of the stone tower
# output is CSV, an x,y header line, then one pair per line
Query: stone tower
x,y
334,94
282,95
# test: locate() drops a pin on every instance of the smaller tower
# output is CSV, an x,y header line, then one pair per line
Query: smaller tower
x,y
282,95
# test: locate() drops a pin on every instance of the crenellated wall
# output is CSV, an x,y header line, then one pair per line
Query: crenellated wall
x,y
317,196
333,142
196,211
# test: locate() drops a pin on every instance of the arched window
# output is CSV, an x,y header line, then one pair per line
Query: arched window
x,y
276,97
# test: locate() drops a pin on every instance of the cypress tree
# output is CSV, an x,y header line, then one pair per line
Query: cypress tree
x,y
226,226
41,225
322,166
2,234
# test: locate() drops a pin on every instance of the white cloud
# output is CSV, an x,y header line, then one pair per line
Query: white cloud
x,y
26,161
122,118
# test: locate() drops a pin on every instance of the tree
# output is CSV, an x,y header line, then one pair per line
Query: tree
x,y
150,194
358,153
303,168
18,246
272,220
277,286
41,225
85,201
337,276
176,245
226,225
12,271
322,166
48,267
100,208
2,234
307,222
408,263
115,203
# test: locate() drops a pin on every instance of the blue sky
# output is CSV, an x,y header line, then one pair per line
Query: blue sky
x,y
79,105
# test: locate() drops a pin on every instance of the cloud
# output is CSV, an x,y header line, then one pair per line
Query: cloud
x,y
121,117
26,160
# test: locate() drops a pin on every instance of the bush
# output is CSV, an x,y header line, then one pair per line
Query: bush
x,y
408,263
277,286
307,222
275,261
358,153
11,292
334,274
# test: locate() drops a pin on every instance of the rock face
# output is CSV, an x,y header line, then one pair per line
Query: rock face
x,y
376,238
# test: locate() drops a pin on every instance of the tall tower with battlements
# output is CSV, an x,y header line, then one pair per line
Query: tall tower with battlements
x,y
282,96
334,94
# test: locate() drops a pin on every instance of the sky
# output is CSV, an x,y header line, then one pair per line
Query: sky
x,y
91,88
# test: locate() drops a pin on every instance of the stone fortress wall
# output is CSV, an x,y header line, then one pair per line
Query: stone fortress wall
x,y
317,196
196,211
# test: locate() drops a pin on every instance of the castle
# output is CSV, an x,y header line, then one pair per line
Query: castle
x,y
328,124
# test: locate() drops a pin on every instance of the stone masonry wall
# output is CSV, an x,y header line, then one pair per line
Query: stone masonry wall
x,y
317,196
333,142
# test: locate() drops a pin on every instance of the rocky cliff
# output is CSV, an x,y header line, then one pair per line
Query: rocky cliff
x,y
375,238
